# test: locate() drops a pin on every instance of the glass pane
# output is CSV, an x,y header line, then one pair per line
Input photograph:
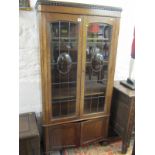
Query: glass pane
x,y
64,48
97,55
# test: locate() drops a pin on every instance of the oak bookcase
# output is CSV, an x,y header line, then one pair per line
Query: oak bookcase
x,y
78,44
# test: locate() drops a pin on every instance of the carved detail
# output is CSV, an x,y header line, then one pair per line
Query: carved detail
x,y
79,5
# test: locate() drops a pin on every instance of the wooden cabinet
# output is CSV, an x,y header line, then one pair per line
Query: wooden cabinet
x,y
123,113
78,44
29,137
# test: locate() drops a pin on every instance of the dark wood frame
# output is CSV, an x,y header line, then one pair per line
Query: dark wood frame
x,y
51,11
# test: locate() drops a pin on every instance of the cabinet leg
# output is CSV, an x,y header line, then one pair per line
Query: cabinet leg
x,y
61,152
128,143
133,151
124,147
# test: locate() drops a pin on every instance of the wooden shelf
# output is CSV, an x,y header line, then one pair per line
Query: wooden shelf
x,y
95,94
64,38
94,89
64,94
98,39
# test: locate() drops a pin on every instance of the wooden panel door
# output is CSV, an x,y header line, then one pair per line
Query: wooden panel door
x,y
62,136
97,65
94,130
61,64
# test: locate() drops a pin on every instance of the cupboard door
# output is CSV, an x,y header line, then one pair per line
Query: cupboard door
x,y
63,63
62,136
95,64
93,130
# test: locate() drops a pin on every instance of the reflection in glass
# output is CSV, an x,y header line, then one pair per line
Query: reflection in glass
x,y
97,62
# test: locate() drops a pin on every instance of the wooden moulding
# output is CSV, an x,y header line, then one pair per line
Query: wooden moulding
x,y
79,5
77,8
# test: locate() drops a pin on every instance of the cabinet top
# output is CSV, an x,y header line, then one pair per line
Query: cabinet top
x,y
27,126
123,89
115,10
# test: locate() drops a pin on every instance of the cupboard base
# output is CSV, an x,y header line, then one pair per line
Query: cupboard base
x,y
57,137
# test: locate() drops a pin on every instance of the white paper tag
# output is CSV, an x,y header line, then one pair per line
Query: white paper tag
x,y
79,19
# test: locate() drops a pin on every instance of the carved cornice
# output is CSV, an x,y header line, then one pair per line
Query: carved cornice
x,y
78,5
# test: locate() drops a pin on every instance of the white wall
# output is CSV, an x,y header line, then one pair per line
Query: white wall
x,y
29,69
29,63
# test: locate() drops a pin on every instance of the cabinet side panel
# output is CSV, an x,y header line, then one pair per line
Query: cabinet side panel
x,y
112,62
42,39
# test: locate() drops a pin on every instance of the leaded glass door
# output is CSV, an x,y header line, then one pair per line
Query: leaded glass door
x,y
64,46
98,33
